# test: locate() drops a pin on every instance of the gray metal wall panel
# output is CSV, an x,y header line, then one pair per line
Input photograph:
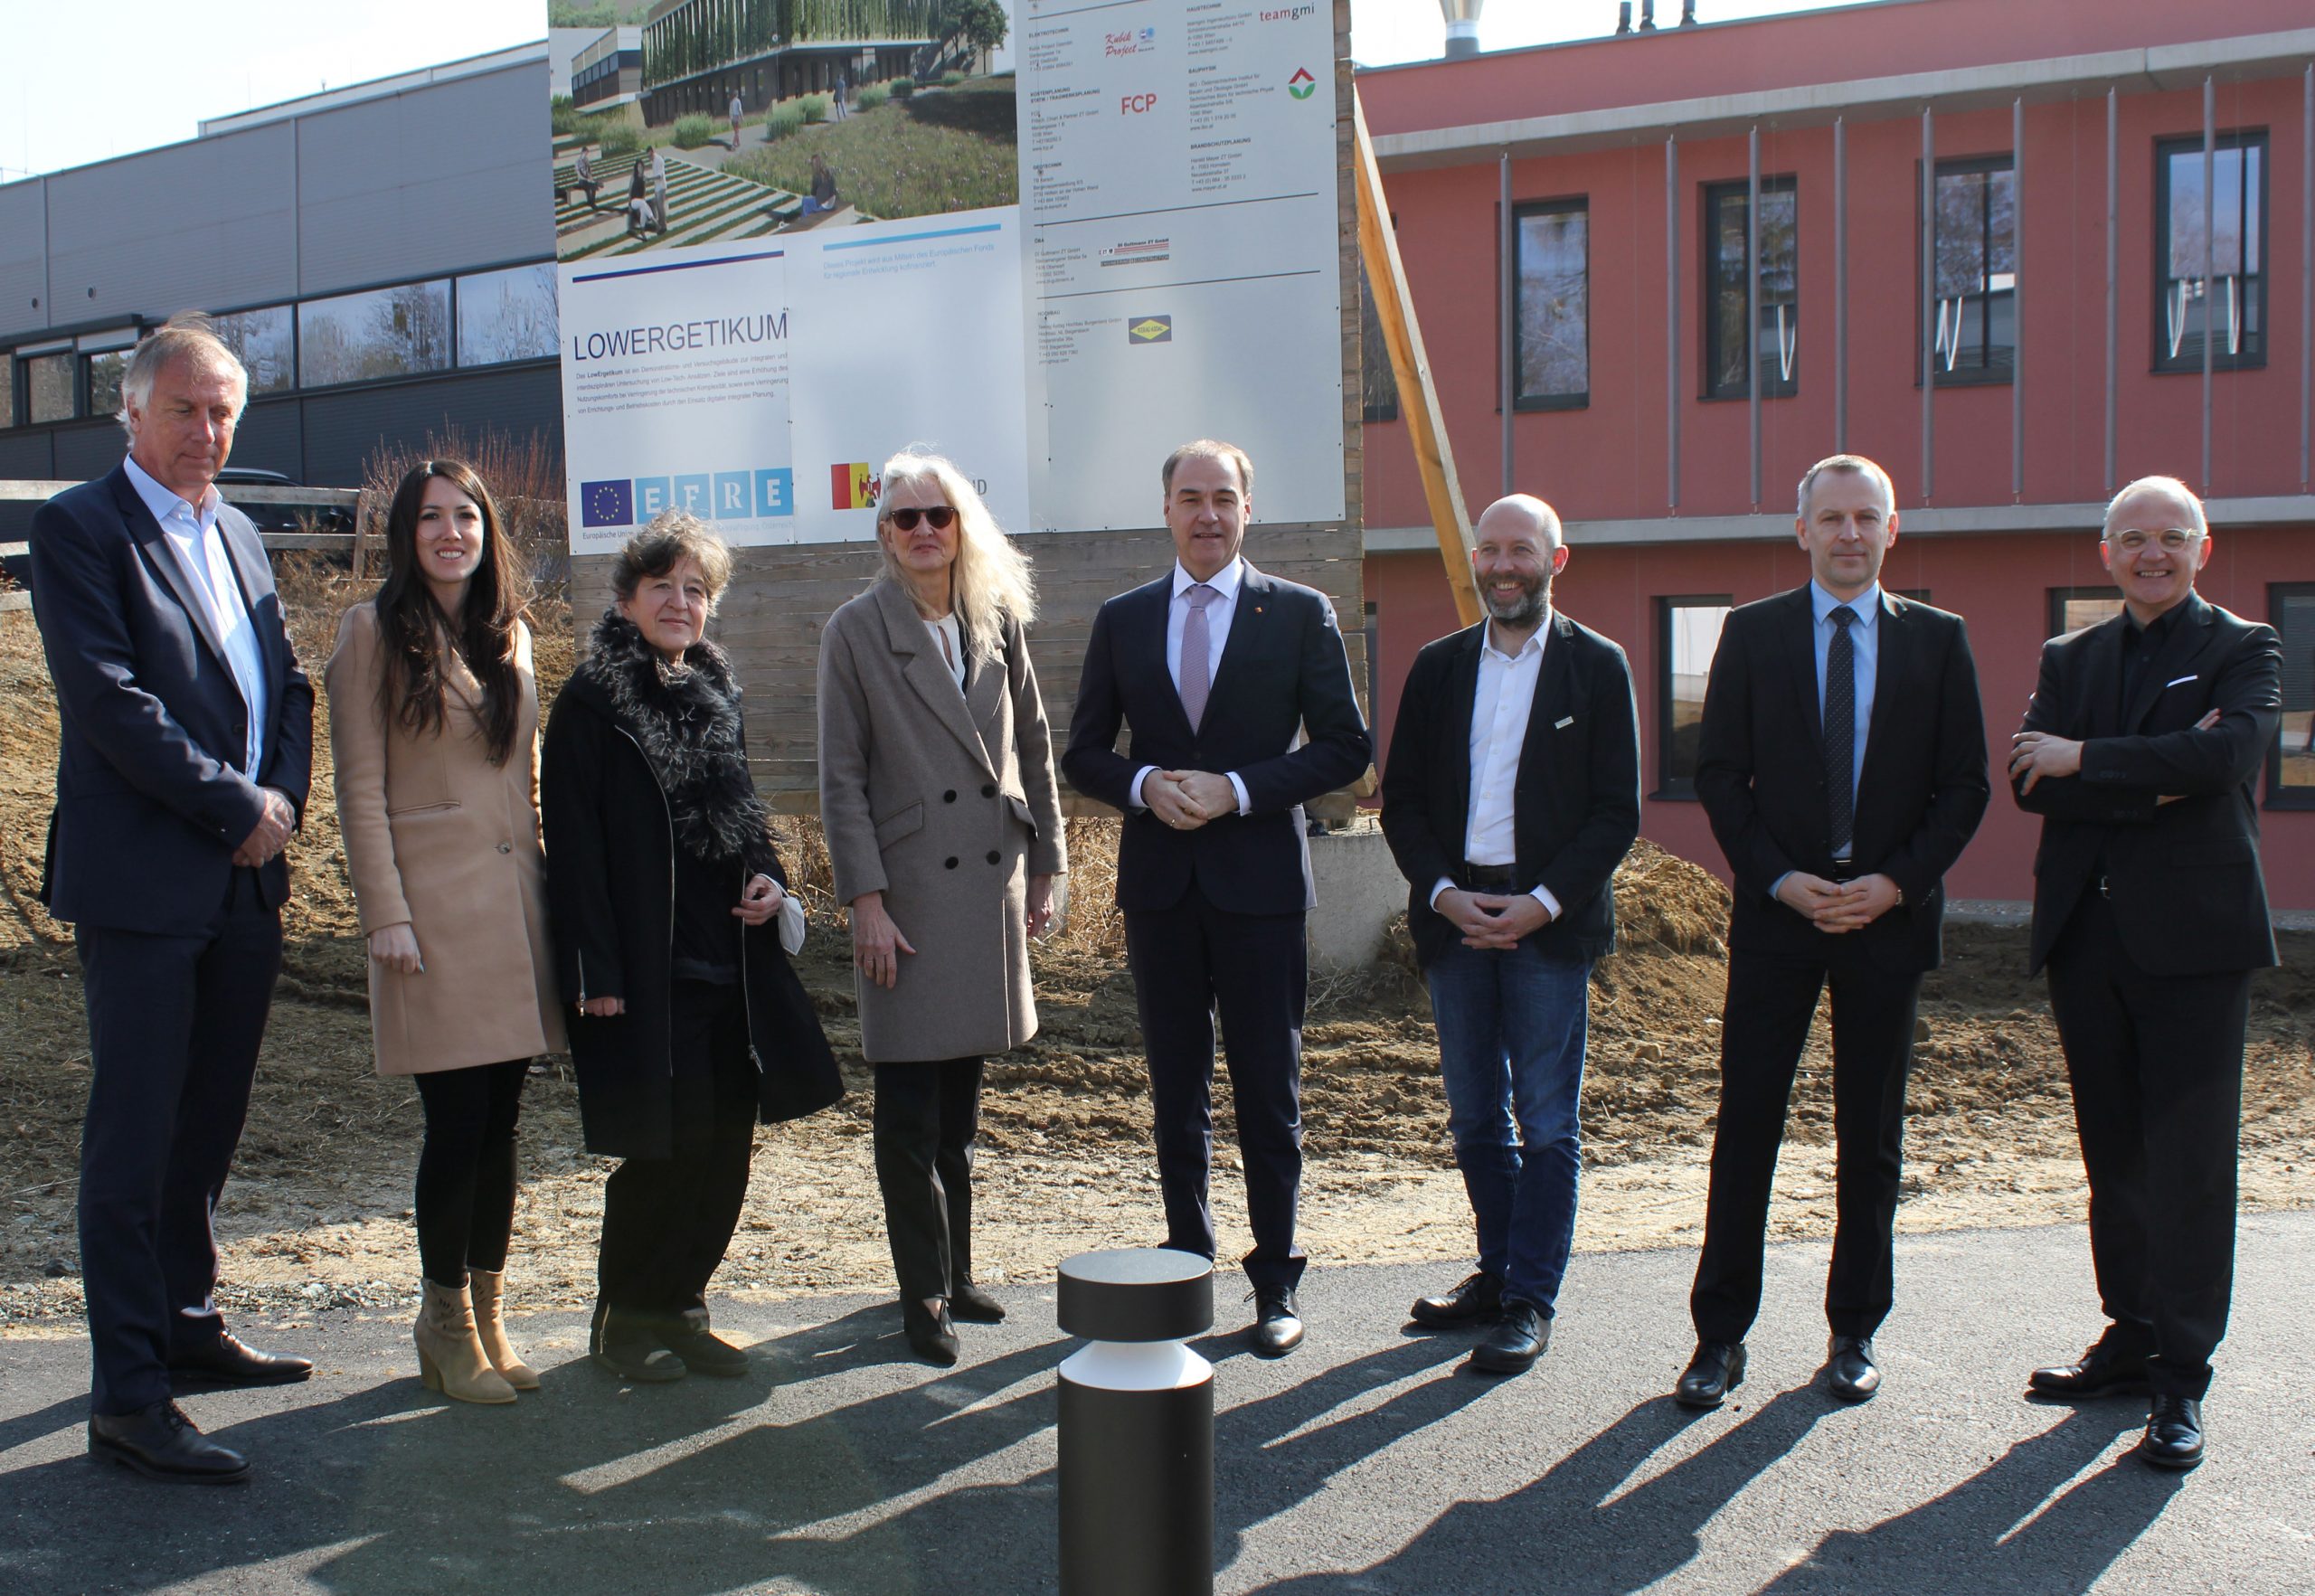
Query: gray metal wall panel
x,y
24,258
207,225
88,450
271,436
24,457
437,180
342,430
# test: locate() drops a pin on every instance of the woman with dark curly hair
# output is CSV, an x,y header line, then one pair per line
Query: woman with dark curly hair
x,y
672,926
434,719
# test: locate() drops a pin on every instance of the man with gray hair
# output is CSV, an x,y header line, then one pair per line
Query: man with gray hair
x,y
2138,752
186,751
1511,794
1843,768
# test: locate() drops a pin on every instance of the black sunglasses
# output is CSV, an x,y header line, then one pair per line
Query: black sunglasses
x,y
938,514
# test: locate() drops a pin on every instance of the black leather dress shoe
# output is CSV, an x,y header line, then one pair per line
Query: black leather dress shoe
x,y
226,1361
1716,1369
930,1333
634,1346
1514,1344
1850,1370
1278,1321
703,1351
974,1306
1476,1299
2102,1371
2174,1434
161,1444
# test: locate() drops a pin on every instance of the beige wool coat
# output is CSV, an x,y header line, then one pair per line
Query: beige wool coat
x,y
947,804
441,840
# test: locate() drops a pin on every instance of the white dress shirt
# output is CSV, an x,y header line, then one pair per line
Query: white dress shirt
x,y
1219,610
948,638
200,549
1499,711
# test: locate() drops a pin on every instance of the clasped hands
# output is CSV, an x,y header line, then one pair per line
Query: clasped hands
x,y
273,833
1188,800
1493,919
1837,906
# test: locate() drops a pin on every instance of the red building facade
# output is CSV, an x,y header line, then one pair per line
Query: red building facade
x,y
1640,257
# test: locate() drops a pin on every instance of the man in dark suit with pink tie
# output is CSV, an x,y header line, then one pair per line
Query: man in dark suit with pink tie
x,y
1219,670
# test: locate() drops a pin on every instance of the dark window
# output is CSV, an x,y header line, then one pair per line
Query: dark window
x,y
2072,608
1551,336
384,333
507,316
48,388
1378,384
1726,347
105,372
2291,773
2236,316
1687,633
1976,306
265,342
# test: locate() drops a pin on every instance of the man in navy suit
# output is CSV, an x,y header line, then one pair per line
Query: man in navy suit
x,y
2138,752
1219,670
186,754
1511,794
1843,768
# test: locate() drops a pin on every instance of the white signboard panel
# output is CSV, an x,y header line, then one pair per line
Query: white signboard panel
x,y
1181,272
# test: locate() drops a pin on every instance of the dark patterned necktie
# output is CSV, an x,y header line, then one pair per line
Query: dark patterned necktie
x,y
1841,730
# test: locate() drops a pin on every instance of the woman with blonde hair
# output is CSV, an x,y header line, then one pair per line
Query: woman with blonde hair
x,y
434,717
943,823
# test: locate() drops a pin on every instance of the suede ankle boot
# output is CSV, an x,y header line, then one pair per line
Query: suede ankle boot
x,y
450,1358
485,1286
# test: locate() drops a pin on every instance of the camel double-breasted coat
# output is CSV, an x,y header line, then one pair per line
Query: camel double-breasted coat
x,y
441,840
946,803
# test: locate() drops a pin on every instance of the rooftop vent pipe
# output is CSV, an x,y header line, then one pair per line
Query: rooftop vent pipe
x,y
1462,27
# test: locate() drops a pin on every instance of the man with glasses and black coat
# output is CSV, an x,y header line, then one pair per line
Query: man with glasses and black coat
x,y
2138,752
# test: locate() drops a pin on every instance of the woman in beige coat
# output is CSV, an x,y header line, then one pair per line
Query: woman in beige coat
x,y
434,722
943,823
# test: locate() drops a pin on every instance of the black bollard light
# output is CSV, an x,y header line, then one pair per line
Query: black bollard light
x,y
1136,1425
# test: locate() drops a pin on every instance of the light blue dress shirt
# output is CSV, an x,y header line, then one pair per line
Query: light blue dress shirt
x,y
1864,648
200,547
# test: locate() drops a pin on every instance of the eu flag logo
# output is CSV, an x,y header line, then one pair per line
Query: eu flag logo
x,y
606,503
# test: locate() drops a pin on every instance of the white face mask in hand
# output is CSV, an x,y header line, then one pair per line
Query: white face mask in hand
x,y
791,924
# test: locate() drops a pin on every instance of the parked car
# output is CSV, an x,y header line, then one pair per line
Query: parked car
x,y
276,517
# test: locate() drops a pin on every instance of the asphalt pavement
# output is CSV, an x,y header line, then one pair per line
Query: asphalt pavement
x,y
1367,1462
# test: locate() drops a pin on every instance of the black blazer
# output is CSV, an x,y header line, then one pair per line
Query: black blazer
x,y
149,807
1575,801
1283,669
610,853
2184,876
1760,772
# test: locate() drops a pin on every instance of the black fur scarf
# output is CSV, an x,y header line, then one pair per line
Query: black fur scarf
x,y
687,720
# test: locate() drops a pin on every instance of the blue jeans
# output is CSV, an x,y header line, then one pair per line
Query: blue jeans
x,y
1511,1032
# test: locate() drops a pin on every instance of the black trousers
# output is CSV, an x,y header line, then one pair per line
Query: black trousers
x,y
2156,1064
1192,964
926,1117
1771,1001
666,1222
466,1168
174,1028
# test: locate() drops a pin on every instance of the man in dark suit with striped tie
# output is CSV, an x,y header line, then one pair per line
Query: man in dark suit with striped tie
x,y
1843,766
1220,670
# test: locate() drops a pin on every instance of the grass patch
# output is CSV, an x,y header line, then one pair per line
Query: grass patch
x,y
921,157
817,107
875,95
693,131
779,122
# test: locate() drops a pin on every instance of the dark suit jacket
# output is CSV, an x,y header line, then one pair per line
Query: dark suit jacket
x,y
2184,877
1575,801
149,807
1760,772
1282,668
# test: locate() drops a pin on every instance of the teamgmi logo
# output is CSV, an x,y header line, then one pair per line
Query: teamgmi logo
x,y
761,493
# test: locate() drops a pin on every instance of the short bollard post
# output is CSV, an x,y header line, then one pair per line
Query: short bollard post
x,y
1136,1425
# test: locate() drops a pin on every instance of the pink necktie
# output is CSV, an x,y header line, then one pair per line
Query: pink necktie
x,y
1197,667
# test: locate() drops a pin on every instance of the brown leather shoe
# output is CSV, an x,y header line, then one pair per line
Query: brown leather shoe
x,y
160,1442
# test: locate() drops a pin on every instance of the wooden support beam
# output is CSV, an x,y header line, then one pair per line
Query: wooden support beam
x,y
1418,397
